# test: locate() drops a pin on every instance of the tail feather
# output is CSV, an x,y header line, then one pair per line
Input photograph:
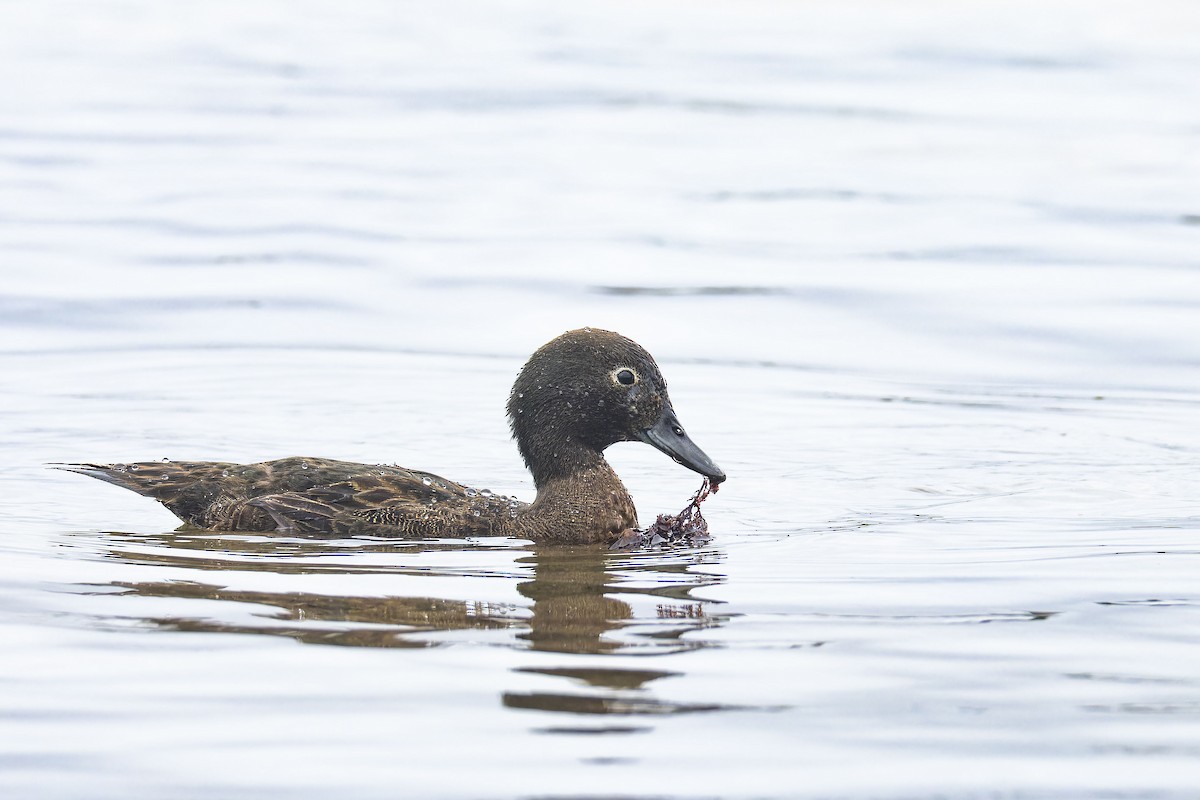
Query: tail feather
x,y
123,475
191,490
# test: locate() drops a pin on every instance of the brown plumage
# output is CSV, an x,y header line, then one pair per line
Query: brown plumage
x,y
575,396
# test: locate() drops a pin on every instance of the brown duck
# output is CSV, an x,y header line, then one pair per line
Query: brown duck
x,y
575,396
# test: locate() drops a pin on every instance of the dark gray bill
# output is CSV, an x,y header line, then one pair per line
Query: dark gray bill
x,y
668,435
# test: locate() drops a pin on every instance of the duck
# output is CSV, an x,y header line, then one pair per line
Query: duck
x,y
578,394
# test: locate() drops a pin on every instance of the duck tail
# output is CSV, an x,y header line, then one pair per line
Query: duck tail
x,y
134,477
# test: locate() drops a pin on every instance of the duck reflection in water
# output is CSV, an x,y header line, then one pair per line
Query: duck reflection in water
x,y
575,594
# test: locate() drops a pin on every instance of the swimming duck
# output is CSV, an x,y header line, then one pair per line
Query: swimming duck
x,y
577,394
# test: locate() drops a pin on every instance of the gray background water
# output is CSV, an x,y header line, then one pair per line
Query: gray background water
x,y
923,277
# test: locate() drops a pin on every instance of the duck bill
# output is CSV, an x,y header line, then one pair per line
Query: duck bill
x,y
668,435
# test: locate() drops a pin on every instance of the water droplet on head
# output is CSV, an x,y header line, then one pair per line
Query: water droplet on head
x,y
520,395
165,477
475,512
426,481
485,492
472,493
303,465
133,467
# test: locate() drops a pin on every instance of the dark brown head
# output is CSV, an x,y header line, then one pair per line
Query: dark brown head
x,y
588,389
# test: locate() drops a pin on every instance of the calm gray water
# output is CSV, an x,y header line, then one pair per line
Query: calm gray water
x,y
924,278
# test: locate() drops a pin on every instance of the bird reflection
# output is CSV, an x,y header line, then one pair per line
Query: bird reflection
x,y
582,599
575,592
572,610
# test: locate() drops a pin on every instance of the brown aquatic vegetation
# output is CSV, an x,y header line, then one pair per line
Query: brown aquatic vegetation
x,y
577,394
687,528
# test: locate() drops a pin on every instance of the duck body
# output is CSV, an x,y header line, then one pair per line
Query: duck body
x,y
578,394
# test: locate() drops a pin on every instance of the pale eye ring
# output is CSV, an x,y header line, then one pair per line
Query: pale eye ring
x,y
625,376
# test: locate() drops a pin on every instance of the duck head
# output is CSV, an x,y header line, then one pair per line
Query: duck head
x,y
586,390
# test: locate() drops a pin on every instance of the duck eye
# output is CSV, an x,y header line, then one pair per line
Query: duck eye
x,y
626,377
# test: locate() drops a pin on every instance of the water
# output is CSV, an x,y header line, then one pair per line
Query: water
x,y
923,278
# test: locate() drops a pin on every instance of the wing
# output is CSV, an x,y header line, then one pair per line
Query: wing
x,y
404,504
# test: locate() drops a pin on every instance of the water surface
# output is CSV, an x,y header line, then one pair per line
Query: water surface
x,y
923,279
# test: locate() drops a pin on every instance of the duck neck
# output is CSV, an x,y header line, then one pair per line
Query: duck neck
x,y
579,496
554,459
579,499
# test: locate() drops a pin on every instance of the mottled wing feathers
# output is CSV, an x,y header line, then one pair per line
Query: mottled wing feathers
x,y
408,505
296,513
310,495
